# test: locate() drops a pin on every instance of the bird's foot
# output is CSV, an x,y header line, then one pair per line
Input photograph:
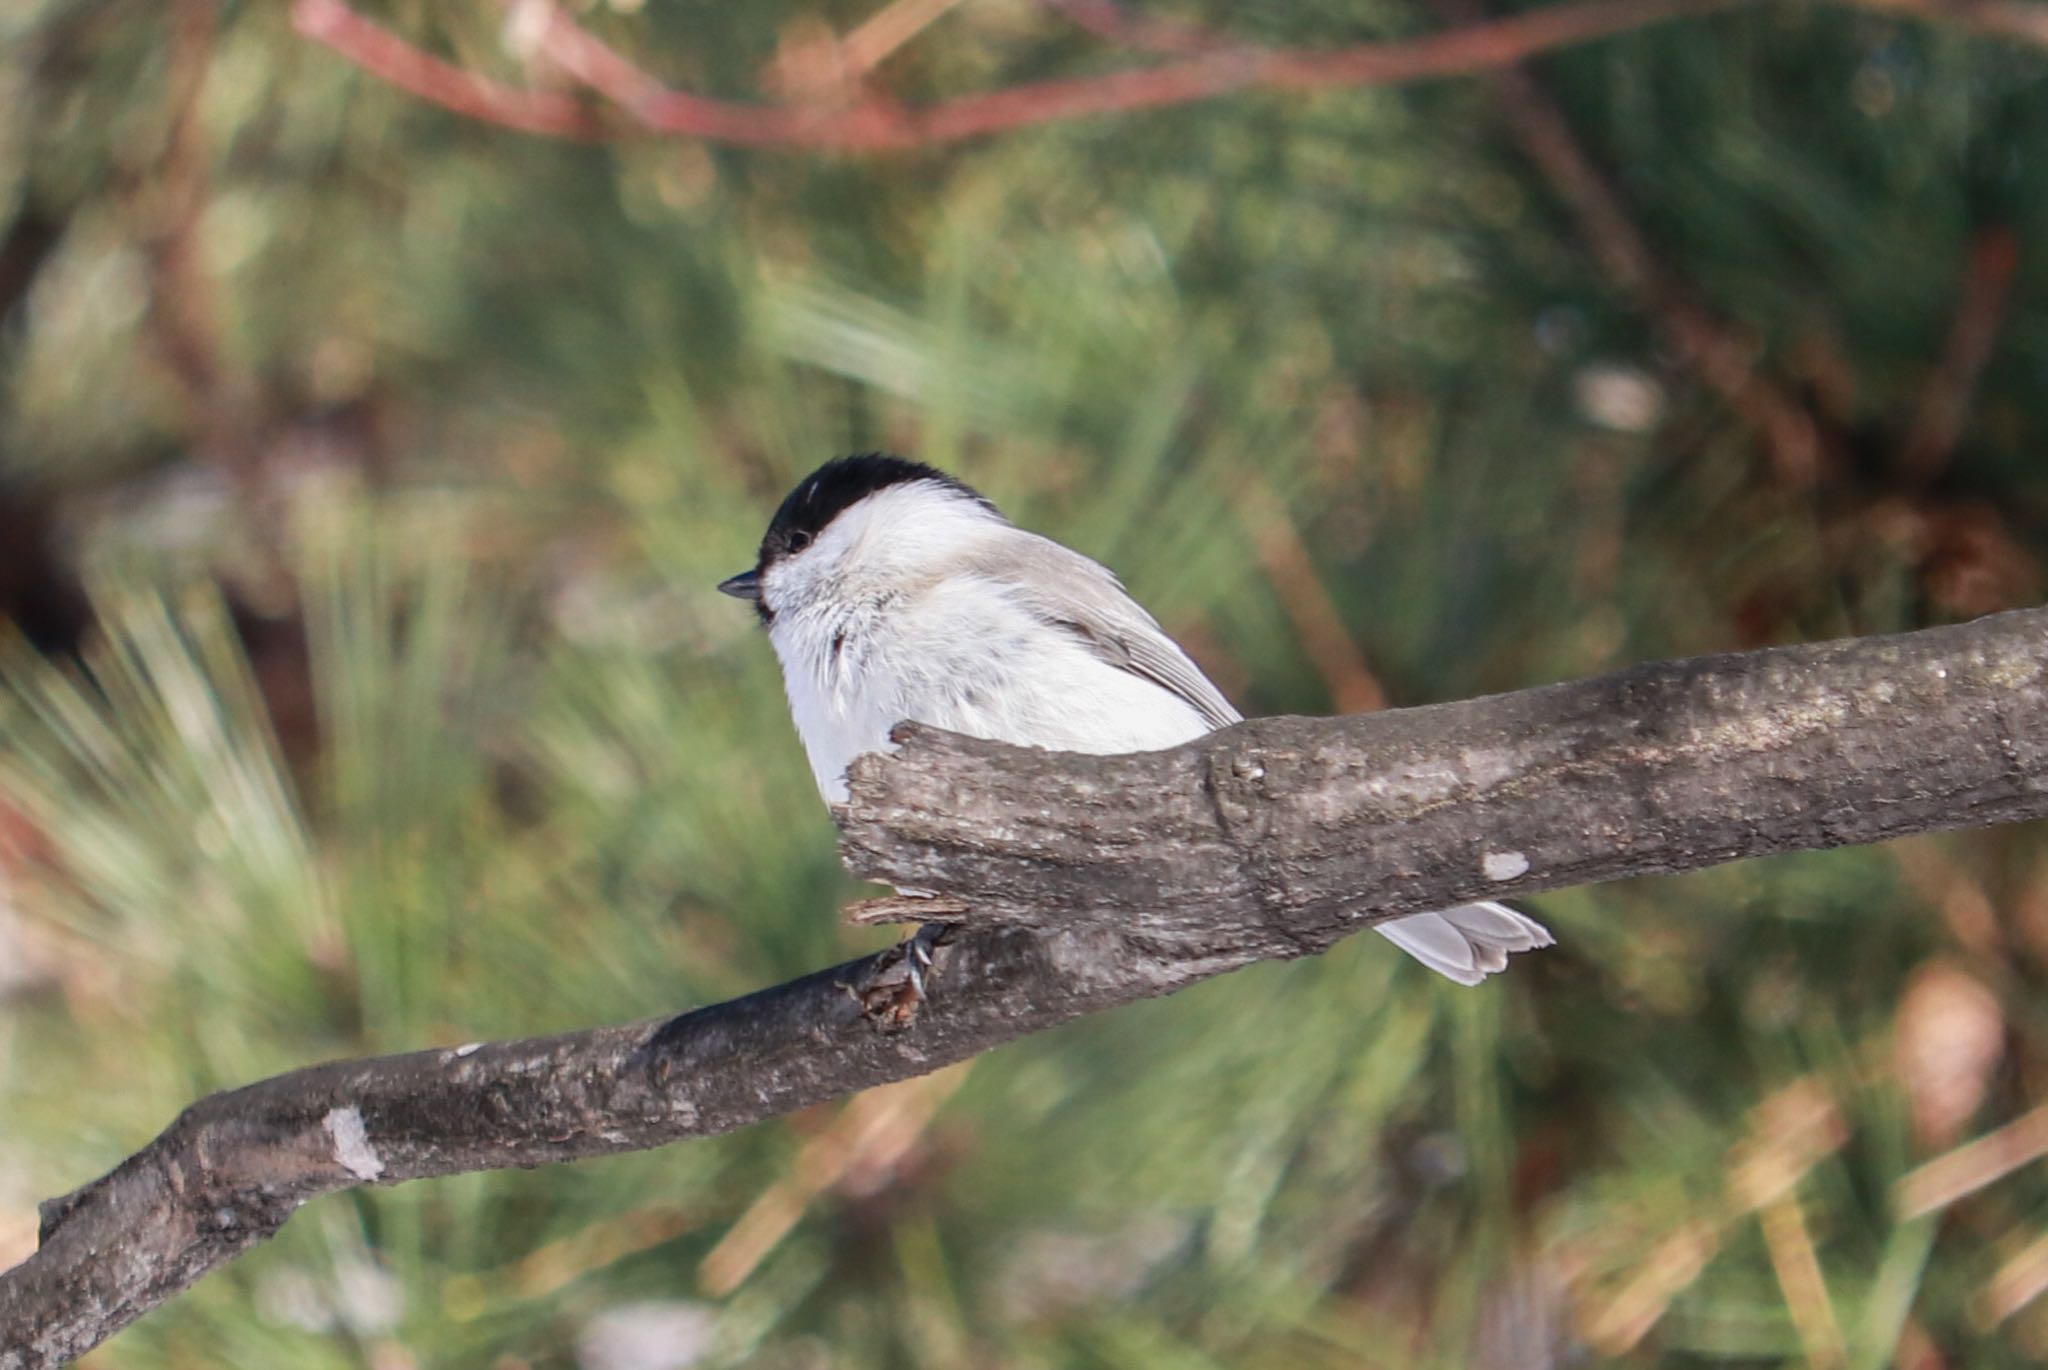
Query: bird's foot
x,y
903,977
920,953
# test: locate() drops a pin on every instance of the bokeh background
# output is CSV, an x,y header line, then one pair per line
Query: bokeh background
x,y
365,470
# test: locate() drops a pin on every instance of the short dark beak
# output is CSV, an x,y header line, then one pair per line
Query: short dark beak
x,y
746,585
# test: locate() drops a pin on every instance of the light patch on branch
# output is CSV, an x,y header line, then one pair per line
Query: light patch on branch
x,y
352,1143
1504,865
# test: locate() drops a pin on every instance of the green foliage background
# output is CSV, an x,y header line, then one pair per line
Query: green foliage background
x,y
394,706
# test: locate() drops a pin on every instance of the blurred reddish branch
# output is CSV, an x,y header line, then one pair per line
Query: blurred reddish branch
x,y
844,117
880,36
390,58
169,191
1946,398
874,122
1718,350
1318,623
164,184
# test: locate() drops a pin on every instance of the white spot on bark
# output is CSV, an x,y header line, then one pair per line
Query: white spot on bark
x,y
467,1048
1487,766
1503,865
352,1143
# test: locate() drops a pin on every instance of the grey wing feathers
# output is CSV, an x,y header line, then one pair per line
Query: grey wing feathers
x,y
1070,591
1467,943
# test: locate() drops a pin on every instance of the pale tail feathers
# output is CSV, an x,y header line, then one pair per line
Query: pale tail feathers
x,y
1467,943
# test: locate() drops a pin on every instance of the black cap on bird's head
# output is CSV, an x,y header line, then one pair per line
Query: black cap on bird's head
x,y
824,495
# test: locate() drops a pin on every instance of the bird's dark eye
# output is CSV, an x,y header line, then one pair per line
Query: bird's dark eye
x,y
798,541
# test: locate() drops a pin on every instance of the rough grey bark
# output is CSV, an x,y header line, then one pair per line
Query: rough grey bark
x,y
1283,834
1089,882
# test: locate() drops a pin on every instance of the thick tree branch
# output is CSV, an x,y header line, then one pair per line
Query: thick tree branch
x,y
1282,835
1140,875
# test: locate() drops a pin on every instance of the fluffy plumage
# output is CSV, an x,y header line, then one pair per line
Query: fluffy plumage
x,y
893,592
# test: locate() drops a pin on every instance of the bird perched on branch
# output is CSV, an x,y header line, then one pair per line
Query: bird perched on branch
x,y
893,592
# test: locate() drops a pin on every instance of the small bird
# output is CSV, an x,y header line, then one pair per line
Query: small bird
x,y
893,592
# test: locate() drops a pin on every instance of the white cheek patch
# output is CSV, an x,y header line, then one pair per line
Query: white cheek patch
x,y
854,663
